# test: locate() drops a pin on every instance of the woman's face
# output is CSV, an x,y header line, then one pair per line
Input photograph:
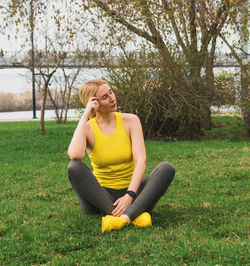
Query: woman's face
x,y
106,99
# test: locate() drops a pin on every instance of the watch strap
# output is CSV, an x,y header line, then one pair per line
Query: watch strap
x,y
131,193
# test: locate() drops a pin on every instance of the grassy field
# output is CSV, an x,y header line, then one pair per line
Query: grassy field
x,y
201,220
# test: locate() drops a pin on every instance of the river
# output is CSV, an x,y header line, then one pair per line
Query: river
x,y
28,115
74,114
18,80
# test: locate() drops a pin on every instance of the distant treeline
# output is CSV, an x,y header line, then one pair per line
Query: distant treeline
x,y
22,102
223,93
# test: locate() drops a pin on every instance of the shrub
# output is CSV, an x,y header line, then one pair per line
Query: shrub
x,y
169,107
224,91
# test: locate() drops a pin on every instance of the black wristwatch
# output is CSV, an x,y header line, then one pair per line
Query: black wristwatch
x,y
131,193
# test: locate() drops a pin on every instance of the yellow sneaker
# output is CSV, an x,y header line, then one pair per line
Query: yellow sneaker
x,y
110,222
143,220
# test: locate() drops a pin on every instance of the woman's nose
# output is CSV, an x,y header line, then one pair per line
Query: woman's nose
x,y
111,98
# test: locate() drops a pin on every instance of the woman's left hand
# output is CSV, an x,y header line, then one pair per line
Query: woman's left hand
x,y
122,204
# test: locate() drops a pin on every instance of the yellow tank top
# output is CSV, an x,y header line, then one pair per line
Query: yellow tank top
x,y
112,158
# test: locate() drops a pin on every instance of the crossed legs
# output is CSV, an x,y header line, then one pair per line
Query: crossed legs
x,y
95,199
92,197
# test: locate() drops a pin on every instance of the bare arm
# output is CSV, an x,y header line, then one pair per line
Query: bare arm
x,y
139,154
78,143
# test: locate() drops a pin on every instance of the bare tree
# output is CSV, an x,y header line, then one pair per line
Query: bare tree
x,y
240,53
183,34
46,77
34,16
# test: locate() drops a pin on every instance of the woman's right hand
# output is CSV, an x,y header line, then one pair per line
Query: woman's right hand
x,y
78,143
92,107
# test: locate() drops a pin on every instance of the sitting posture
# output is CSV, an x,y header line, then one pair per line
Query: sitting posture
x,y
115,146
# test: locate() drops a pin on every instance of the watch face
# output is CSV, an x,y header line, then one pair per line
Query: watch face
x,y
131,193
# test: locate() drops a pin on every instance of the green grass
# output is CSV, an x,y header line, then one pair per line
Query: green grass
x,y
201,220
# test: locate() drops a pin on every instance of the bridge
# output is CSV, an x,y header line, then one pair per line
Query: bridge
x,y
15,60
12,60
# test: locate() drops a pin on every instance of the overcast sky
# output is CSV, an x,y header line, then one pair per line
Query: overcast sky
x,y
16,79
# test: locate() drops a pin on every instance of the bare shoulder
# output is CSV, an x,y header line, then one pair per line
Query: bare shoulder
x,y
131,122
130,118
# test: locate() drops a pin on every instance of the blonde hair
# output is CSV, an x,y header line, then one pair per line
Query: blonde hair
x,y
89,89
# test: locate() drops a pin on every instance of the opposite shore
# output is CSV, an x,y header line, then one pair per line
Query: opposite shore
x,y
74,114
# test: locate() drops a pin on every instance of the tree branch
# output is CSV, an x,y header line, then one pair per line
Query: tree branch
x,y
193,33
12,9
146,12
122,21
159,43
232,50
214,28
183,22
174,25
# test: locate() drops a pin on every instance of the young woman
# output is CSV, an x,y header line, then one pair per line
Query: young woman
x,y
115,145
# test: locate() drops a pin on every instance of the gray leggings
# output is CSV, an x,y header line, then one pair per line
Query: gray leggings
x,y
95,199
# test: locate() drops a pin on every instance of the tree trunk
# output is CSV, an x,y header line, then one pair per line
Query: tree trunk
x,y
58,117
44,97
66,114
208,89
32,57
245,98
